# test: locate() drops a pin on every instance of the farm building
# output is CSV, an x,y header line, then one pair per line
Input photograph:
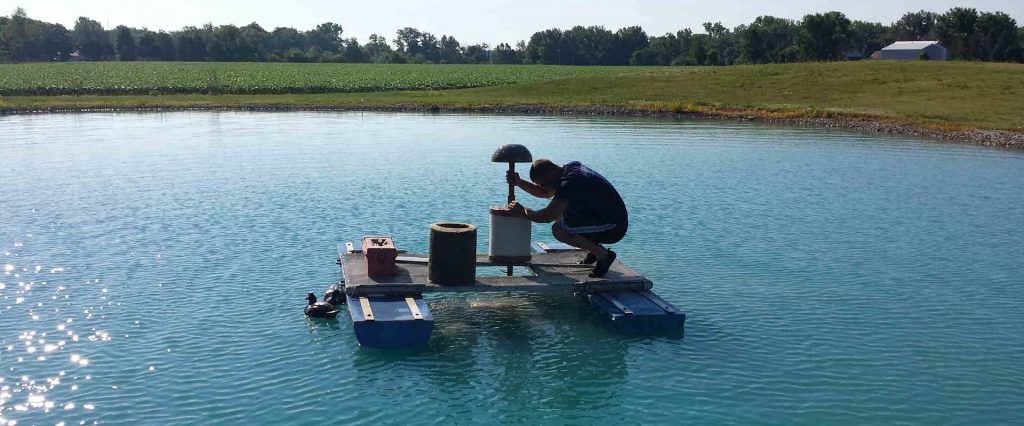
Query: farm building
x,y
914,50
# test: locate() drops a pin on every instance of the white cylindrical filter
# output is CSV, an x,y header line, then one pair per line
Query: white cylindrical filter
x,y
510,237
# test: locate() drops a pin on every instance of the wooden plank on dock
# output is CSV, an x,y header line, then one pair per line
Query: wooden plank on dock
x,y
556,271
556,247
364,303
413,309
484,260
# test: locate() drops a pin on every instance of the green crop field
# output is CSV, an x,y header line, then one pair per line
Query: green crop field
x,y
939,95
168,78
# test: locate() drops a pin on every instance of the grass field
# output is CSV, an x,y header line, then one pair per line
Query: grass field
x,y
171,78
941,95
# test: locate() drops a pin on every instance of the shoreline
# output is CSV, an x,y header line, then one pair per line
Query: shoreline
x,y
1006,139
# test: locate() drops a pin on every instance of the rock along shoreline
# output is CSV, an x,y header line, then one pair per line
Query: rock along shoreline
x,y
985,137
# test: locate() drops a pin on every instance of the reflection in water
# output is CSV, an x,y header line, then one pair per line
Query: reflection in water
x,y
45,364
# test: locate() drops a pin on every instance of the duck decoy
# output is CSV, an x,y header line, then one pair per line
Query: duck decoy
x,y
320,309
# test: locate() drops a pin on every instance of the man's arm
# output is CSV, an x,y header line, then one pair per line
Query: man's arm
x,y
530,187
551,213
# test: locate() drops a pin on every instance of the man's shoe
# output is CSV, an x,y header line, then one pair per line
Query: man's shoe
x,y
602,266
588,260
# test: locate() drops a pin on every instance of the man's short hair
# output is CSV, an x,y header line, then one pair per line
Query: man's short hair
x,y
539,167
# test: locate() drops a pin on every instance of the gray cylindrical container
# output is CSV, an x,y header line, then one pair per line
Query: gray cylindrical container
x,y
510,237
452,257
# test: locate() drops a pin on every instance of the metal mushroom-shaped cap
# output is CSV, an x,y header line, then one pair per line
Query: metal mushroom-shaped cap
x,y
512,153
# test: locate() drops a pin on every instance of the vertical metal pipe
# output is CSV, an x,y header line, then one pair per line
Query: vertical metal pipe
x,y
511,187
511,198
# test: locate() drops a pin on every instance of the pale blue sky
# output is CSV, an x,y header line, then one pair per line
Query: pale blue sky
x,y
472,21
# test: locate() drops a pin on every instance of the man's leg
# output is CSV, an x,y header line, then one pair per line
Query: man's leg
x,y
575,240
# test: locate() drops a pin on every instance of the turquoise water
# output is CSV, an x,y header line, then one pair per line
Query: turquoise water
x,y
155,268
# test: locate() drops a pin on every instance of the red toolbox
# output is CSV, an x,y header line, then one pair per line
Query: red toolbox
x,y
380,253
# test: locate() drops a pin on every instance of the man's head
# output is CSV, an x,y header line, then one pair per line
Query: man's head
x,y
545,173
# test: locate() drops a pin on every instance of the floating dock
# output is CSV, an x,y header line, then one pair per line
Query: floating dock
x,y
389,311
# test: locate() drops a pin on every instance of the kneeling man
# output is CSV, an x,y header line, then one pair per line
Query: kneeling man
x,y
586,208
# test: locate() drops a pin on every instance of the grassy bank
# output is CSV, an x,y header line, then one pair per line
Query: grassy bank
x,y
944,96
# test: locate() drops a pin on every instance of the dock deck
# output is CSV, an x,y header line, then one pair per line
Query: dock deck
x,y
389,311
549,271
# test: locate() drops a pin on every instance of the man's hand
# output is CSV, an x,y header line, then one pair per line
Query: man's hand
x,y
512,178
517,210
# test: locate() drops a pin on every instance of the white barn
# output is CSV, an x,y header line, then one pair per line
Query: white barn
x,y
912,50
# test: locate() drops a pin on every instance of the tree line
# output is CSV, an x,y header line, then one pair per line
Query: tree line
x,y
967,33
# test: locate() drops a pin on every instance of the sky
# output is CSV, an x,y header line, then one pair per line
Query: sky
x,y
473,21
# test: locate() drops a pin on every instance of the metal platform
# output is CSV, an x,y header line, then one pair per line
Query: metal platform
x,y
549,271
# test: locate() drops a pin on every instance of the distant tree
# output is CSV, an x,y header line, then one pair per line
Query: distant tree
x,y
431,48
407,41
451,51
149,49
477,54
377,49
91,39
683,47
574,46
167,48
722,43
24,39
915,26
296,55
869,37
126,48
957,29
627,40
545,47
418,45
16,36
598,47
326,36
714,31
699,51
223,43
284,39
253,43
768,40
1020,39
966,33
589,45
391,57
664,50
191,44
823,36
579,45
353,52
4,53
314,54
998,38
504,54
46,41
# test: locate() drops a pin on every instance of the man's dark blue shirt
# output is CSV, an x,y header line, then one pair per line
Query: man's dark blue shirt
x,y
594,204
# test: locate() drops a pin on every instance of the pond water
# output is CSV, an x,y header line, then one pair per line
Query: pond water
x,y
155,267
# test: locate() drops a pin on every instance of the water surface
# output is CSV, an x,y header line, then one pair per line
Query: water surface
x,y
154,268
